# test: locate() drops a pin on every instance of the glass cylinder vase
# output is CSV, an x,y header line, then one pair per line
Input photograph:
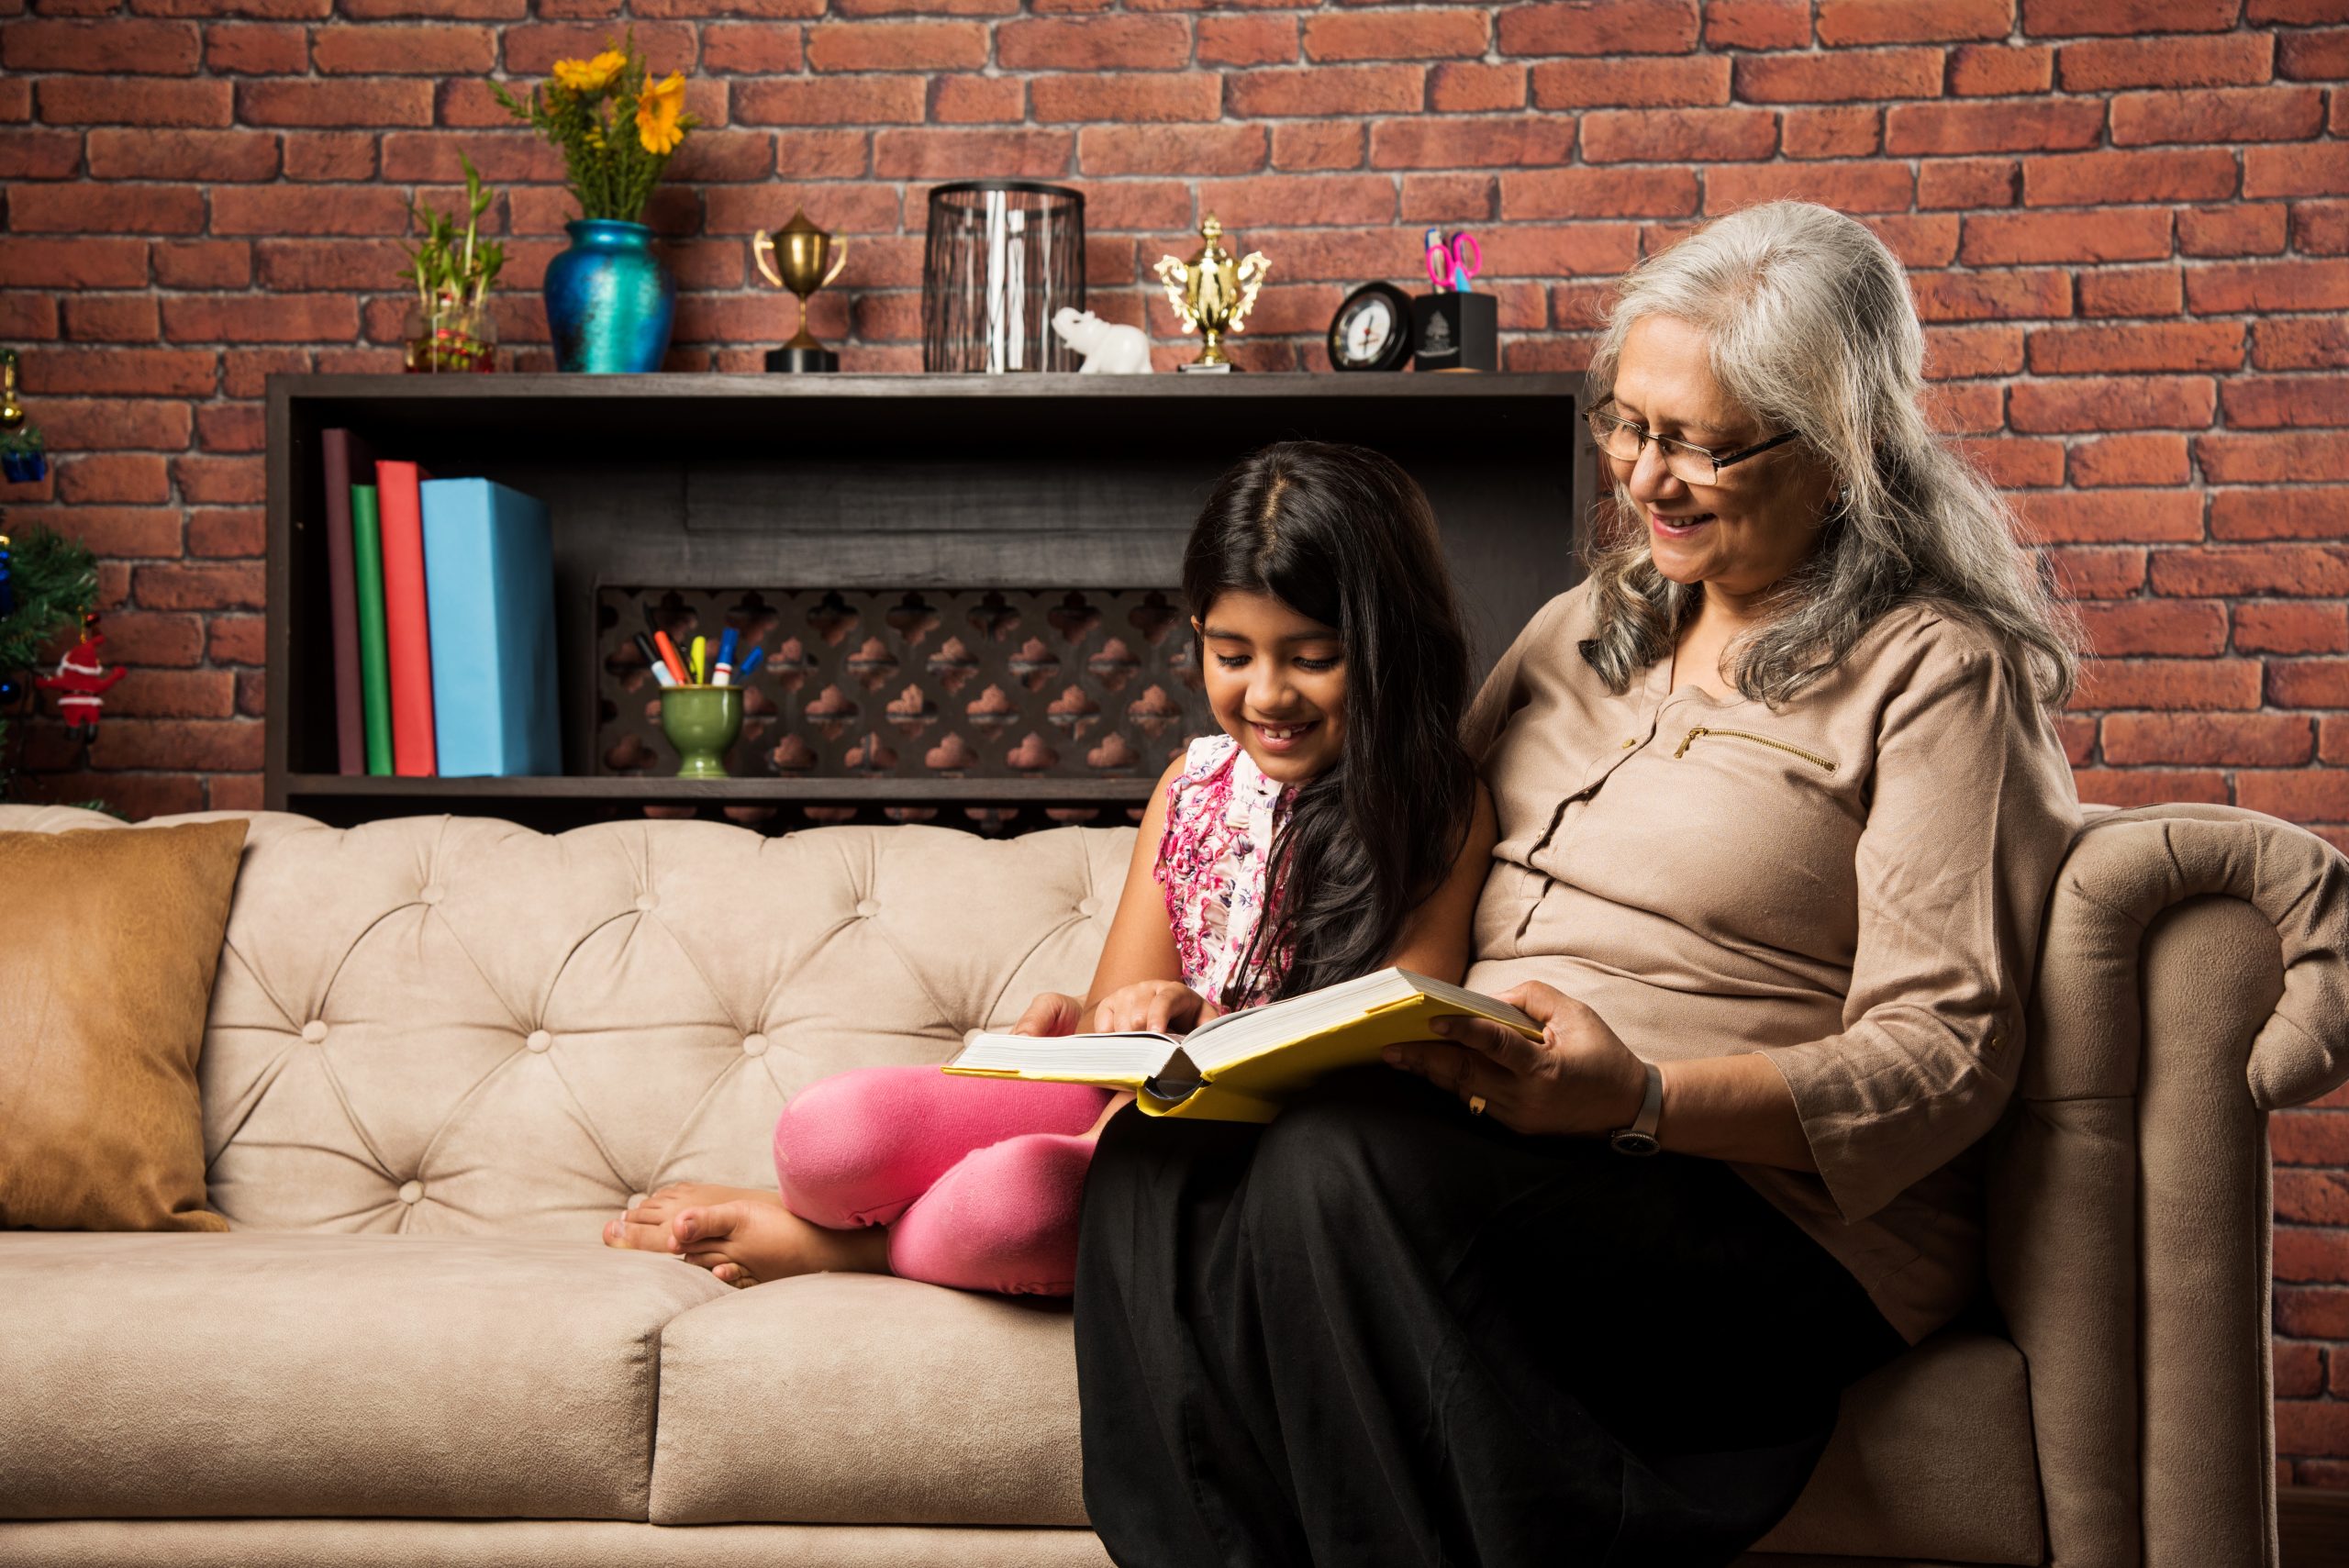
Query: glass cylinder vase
x,y
609,300
999,258
450,337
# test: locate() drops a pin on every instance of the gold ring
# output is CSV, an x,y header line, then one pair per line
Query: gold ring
x,y
1476,1104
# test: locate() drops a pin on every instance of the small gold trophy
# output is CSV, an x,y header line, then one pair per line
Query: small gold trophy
x,y
1212,292
803,248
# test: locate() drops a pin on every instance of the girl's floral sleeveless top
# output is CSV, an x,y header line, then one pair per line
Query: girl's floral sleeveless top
x,y
1215,864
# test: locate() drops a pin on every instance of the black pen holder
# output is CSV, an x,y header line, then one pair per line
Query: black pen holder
x,y
1456,332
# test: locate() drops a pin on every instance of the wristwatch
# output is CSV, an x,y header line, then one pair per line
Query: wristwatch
x,y
1640,1137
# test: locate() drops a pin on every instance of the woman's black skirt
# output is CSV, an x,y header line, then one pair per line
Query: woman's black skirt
x,y
1381,1330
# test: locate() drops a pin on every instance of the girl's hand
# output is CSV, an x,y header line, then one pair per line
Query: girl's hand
x,y
1578,1078
1160,1005
1051,1013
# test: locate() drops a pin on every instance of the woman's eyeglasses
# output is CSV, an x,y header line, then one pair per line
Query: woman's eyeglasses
x,y
1685,461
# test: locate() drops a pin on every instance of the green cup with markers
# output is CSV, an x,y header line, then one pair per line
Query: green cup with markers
x,y
701,703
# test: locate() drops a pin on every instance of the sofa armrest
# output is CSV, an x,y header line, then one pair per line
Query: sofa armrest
x,y
2191,979
2138,863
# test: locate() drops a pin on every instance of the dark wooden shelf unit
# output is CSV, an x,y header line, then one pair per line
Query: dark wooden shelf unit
x,y
868,481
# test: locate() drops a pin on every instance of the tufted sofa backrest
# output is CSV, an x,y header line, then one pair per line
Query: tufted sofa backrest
x,y
457,1025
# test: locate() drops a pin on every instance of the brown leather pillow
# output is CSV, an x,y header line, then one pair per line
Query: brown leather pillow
x,y
106,961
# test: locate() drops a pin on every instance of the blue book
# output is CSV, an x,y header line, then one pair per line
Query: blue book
x,y
489,598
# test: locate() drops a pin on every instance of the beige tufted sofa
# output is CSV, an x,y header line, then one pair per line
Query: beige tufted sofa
x,y
441,1052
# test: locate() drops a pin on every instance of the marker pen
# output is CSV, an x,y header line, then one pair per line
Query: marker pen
x,y
653,662
670,657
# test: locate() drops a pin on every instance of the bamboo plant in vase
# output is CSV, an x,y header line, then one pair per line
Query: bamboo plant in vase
x,y
609,300
449,326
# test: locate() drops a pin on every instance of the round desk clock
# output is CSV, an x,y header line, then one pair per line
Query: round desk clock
x,y
1372,330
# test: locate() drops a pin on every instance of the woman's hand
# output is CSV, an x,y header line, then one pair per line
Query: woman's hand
x,y
1160,1005
1578,1078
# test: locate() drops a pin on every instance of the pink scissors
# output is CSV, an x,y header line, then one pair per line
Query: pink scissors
x,y
1451,264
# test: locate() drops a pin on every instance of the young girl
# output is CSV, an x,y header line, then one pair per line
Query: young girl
x,y
1335,827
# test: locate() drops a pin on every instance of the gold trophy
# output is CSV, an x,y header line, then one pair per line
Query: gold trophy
x,y
802,248
1212,292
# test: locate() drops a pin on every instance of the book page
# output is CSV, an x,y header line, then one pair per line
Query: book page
x,y
1121,1059
1352,1012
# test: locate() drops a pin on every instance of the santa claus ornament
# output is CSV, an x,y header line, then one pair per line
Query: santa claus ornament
x,y
83,679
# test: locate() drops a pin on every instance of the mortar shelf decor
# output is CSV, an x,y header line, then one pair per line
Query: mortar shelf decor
x,y
887,491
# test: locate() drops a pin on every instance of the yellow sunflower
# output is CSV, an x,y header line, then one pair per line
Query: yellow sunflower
x,y
659,113
590,75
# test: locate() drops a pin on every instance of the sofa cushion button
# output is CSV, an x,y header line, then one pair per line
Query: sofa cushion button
x,y
1089,906
636,1200
754,1045
430,893
866,907
411,1191
315,1030
540,1039
646,902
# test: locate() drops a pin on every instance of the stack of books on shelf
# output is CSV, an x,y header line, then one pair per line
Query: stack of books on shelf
x,y
443,609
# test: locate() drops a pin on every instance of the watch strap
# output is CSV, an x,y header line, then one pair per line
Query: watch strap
x,y
1640,1137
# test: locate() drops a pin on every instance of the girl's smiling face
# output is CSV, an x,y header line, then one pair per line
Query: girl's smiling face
x,y
1277,683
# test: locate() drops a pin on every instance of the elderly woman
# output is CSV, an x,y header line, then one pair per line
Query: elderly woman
x,y
1780,799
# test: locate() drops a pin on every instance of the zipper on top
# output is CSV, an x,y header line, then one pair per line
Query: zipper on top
x,y
1813,758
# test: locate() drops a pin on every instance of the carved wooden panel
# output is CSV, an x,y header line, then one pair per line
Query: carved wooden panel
x,y
1037,686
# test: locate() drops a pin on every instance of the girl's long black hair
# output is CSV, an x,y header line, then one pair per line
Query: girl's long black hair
x,y
1343,535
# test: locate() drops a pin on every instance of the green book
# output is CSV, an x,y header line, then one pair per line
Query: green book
x,y
374,662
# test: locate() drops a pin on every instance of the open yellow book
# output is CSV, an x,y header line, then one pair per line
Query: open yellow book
x,y
1239,1067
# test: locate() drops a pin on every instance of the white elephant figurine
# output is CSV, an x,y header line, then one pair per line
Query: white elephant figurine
x,y
1109,348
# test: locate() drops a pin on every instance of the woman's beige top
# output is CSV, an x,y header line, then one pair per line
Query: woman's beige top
x,y
1851,884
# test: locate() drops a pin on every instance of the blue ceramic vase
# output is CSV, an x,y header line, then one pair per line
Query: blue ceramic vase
x,y
609,300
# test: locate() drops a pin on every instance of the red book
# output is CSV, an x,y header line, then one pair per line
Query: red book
x,y
407,630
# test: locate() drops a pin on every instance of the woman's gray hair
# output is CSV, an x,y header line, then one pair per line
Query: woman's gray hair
x,y
1812,328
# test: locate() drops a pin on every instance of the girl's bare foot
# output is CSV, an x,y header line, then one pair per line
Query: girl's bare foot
x,y
647,1225
743,1243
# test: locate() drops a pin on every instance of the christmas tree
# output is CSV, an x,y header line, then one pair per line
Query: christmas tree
x,y
48,583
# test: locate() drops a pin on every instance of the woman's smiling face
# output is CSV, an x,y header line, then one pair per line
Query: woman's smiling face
x,y
1755,526
1277,683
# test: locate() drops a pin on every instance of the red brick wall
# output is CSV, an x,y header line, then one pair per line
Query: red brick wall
x,y
2128,222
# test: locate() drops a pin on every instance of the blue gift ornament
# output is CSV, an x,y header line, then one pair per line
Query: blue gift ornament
x,y
23,453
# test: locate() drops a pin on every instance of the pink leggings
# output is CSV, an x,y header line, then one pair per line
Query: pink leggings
x,y
978,1178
